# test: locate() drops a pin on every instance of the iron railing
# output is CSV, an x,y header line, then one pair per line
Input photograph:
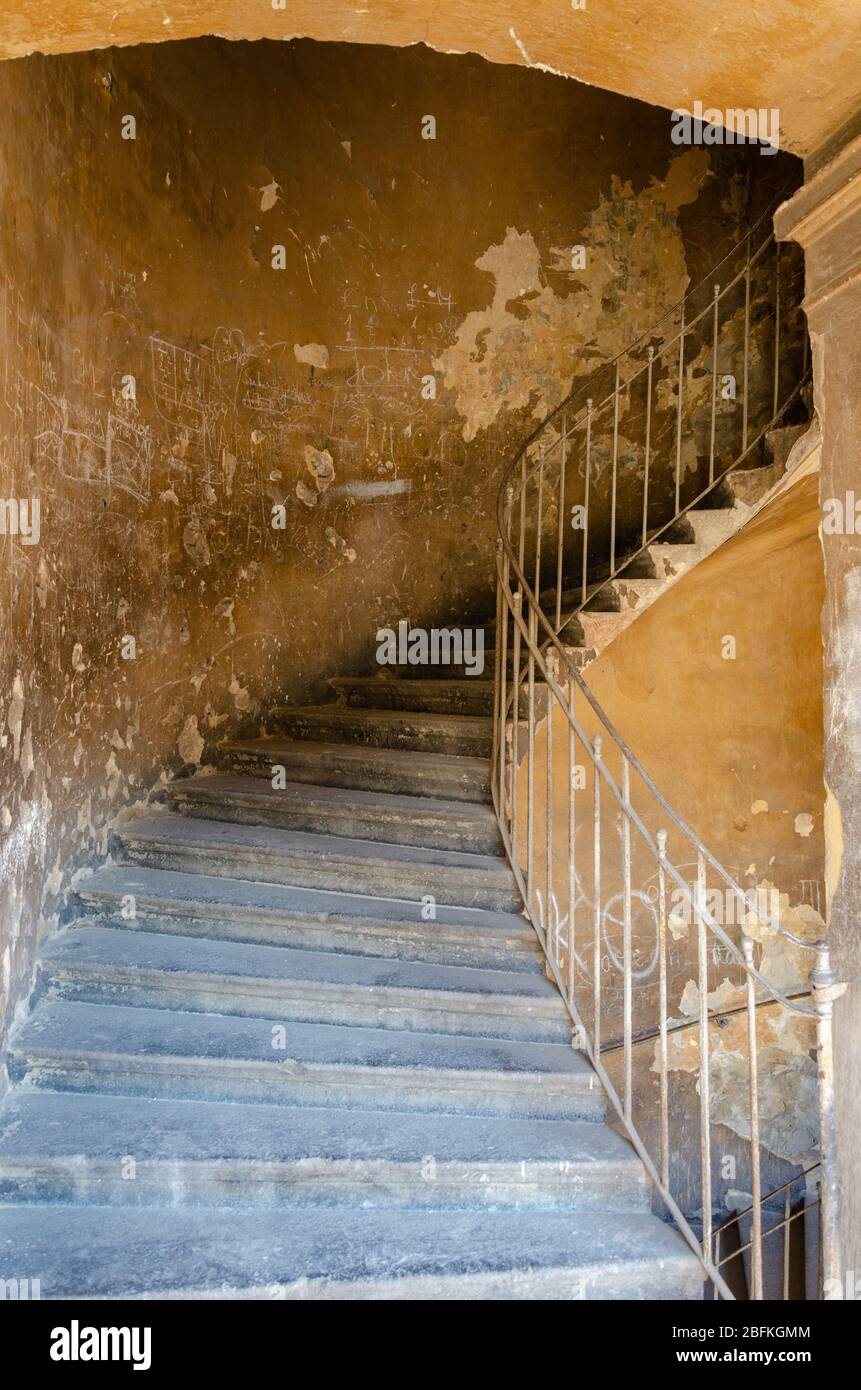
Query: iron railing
x,y
604,863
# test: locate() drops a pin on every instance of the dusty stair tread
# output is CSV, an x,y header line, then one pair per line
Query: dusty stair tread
x,y
45,1125
59,1029
227,784
152,886
406,729
443,694
460,777
401,814
264,839
208,905
114,950
303,1252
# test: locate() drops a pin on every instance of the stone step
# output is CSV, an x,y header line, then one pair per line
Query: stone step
x,y
469,695
96,964
64,1147
239,910
467,735
392,770
125,1050
346,1253
363,815
319,861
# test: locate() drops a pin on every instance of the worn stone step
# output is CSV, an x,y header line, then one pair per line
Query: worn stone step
x,y
240,910
96,964
392,770
67,1147
346,1253
365,815
470,695
468,735
319,861
122,1049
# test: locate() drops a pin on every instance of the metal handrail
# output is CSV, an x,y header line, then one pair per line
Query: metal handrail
x,y
538,655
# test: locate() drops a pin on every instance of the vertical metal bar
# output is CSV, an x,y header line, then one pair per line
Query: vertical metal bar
x,y
517,606
587,481
627,961
679,412
521,545
787,1238
502,644
714,384
825,990
753,1081
561,527
596,885
572,829
648,454
705,1077
530,753
746,346
615,474
776,326
550,662
539,523
663,1051
494,773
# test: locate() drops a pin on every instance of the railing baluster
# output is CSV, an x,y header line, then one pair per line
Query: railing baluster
x,y
530,753
825,990
648,451
663,1057
517,600
560,547
586,484
753,1081
615,474
777,326
538,528
746,368
502,656
714,384
548,812
572,829
705,1061
679,411
596,884
627,961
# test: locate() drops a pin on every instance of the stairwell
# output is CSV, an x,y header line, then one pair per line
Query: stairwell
x,y
258,1065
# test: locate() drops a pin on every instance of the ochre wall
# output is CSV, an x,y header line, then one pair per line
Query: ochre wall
x,y
148,263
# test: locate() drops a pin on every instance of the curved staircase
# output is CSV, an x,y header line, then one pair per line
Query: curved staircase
x,y
288,1077
309,1035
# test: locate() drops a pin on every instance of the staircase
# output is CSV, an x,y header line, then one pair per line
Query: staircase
x,y
283,1077
308,1036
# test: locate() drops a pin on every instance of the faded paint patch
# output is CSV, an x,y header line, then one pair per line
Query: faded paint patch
x,y
787,1069
524,349
189,745
803,824
315,355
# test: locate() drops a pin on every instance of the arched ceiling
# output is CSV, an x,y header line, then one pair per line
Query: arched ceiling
x,y
802,58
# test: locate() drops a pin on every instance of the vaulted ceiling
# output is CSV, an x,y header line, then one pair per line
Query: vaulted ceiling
x,y
800,57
